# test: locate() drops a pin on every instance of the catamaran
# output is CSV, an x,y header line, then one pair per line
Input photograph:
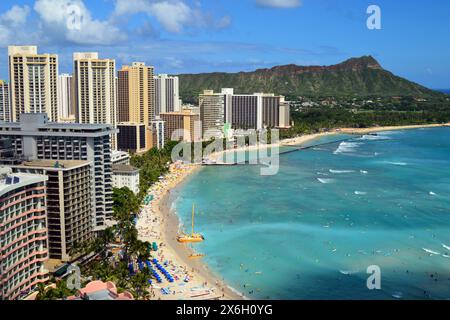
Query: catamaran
x,y
193,237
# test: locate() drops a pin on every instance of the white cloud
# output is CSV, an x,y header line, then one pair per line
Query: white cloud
x,y
173,15
71,21
280,3
11,25
16,16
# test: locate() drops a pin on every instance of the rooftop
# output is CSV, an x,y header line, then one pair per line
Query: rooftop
x,y
53,164
38,124
124,168
98,290
10,181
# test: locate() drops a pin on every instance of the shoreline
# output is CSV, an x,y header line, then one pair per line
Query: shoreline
x,y
167,229
158,223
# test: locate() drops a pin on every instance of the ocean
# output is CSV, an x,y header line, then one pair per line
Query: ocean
x,y
313,230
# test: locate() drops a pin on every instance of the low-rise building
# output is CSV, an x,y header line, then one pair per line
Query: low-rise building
x,y
120,157
126,176
98,290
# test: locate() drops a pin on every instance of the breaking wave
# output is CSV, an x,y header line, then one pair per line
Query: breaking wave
x,y
325,181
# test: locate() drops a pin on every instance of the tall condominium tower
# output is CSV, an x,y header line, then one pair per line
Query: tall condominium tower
x,y
35,138
66,97
135,95
33,82
69,203
5,105
136,91
95,90
212,113
23,236
167,97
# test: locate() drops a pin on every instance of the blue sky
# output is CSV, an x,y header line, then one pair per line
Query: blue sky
x,y
190,36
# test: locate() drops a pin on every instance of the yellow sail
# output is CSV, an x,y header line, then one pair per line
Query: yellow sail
x,y
193,237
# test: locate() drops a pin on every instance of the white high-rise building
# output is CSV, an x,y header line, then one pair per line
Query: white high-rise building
x,y
33,81
167,96
4,102
95,90
66,109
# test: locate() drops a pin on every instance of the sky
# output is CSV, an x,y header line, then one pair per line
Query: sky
x,y
193,36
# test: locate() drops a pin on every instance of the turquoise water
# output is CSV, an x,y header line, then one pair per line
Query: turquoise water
x,y
311,231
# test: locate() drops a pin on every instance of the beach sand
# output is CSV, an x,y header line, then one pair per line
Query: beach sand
x,y
380,129
157,223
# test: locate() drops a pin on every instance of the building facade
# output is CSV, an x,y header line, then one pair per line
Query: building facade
x,y
120,157
186,125
5,106
133,137
23,233
242,112
95,90
126,176
167,96
33,82
35,138
135,93
212,113
66,97
158,133
69,203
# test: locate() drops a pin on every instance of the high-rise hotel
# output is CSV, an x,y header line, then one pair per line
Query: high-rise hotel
x,y
95,90
167,97
23,231
66,97
35,138
33,81
69,203
135,96
256,111
5,106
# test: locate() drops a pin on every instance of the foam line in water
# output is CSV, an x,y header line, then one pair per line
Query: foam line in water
x,y
398,163
374,138
325,181
431,251
340,171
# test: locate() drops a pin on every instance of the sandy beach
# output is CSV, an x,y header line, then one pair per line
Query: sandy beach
x,y
158,223
380,129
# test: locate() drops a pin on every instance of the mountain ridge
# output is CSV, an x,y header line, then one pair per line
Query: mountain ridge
x,y
361,76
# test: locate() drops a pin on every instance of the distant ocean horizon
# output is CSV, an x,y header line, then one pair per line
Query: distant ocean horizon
x,y
311,231
447,91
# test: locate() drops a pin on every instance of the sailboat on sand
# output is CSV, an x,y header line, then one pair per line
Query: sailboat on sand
x,y
193,237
